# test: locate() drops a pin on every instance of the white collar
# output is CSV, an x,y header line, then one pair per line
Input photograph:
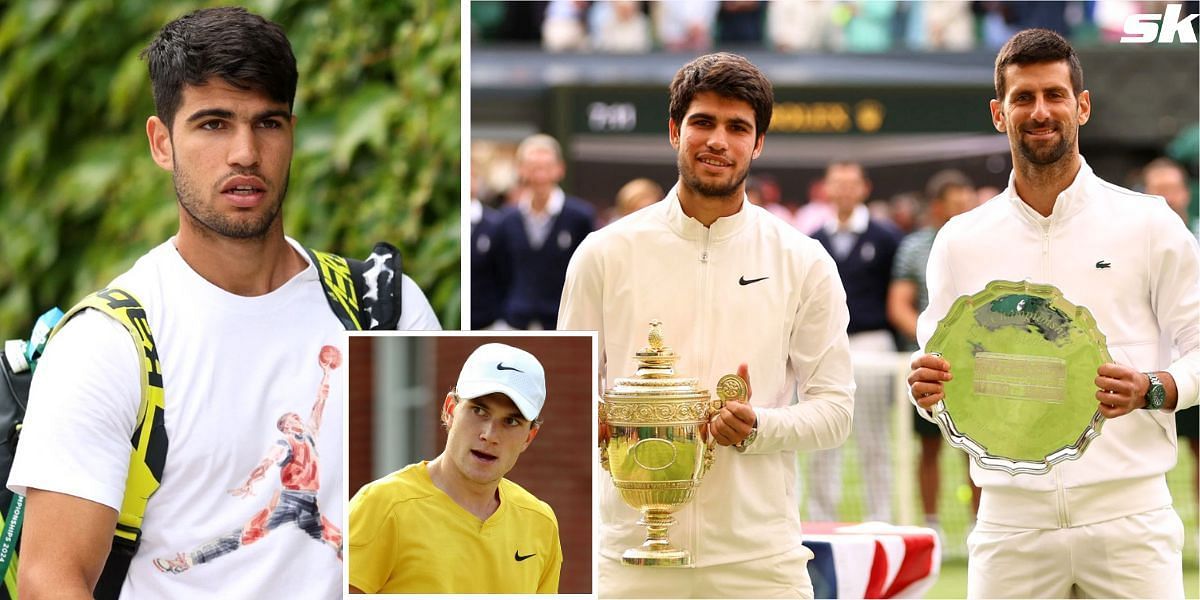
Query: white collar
x,y
859,219
553,205
476,210
1068,202
690,228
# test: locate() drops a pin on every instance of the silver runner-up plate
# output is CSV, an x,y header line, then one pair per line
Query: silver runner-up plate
x,y
1024,360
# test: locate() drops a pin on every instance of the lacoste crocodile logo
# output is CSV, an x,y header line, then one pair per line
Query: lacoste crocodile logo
x,y
1103,264
743,281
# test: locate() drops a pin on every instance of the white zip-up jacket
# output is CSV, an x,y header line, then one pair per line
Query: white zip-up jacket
x,y
1131,261
749,289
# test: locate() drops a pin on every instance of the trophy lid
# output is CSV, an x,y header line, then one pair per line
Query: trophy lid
x,y
655,376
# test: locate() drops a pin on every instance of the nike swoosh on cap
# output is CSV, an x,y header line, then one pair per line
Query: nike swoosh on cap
x,y
501,367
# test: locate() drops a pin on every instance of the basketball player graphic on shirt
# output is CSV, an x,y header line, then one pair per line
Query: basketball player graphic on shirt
x,y
296,502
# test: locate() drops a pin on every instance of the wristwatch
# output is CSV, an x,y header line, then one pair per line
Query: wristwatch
x,y
749,439
1156,395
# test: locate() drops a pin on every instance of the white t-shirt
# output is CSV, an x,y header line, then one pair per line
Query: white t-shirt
x,y
232,366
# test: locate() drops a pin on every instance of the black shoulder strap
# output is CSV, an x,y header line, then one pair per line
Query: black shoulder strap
x,y
364,294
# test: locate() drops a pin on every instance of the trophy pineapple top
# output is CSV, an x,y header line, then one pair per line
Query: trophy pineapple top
x,y
655,376
656,360
655,339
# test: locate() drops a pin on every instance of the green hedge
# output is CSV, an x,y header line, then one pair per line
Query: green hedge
x,y
377,142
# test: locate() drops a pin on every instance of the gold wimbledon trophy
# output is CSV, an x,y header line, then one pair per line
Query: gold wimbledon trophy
x,y
654,441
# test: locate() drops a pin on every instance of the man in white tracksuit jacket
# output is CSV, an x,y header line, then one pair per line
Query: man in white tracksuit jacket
x,y
737,289
1102,525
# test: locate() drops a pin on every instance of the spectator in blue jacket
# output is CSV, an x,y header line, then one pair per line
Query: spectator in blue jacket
x,y
863,248
536,238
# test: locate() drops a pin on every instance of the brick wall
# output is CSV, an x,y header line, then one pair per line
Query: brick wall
x,y
361,410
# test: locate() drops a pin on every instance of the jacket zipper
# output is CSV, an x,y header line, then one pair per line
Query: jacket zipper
x,y
1060,494
1060,501
704,339
1046,251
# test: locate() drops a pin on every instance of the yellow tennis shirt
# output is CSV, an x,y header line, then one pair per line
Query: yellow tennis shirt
x,y
407,536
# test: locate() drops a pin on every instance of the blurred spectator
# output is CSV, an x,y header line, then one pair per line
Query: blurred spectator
x,y
1110,16
798,25
1003,19
636,195
620,26
685,26
1029,14
985,193
763,190
863,249
741,22
1167,178
951,194
947,25
494,173
879,210
1184,148
487,288
816,212
995,23
487,280
563,29
536,237
904,210
866,25
487,20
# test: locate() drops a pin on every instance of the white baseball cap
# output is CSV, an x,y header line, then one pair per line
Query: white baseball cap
x,y
493,368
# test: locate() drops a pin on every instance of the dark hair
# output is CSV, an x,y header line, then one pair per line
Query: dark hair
x,y
945,180
728,75
1036,46
242,48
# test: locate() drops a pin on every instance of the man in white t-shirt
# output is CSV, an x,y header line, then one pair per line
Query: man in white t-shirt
x,y
240,321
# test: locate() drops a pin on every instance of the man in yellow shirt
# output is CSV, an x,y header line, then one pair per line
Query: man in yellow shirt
x,y
415,530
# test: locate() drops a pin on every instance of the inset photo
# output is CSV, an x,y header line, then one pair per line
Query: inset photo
x,y
471,461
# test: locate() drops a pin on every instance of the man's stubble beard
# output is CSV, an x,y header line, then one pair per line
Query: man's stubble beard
x,y
1053,154
1045,156
190,199
717,190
